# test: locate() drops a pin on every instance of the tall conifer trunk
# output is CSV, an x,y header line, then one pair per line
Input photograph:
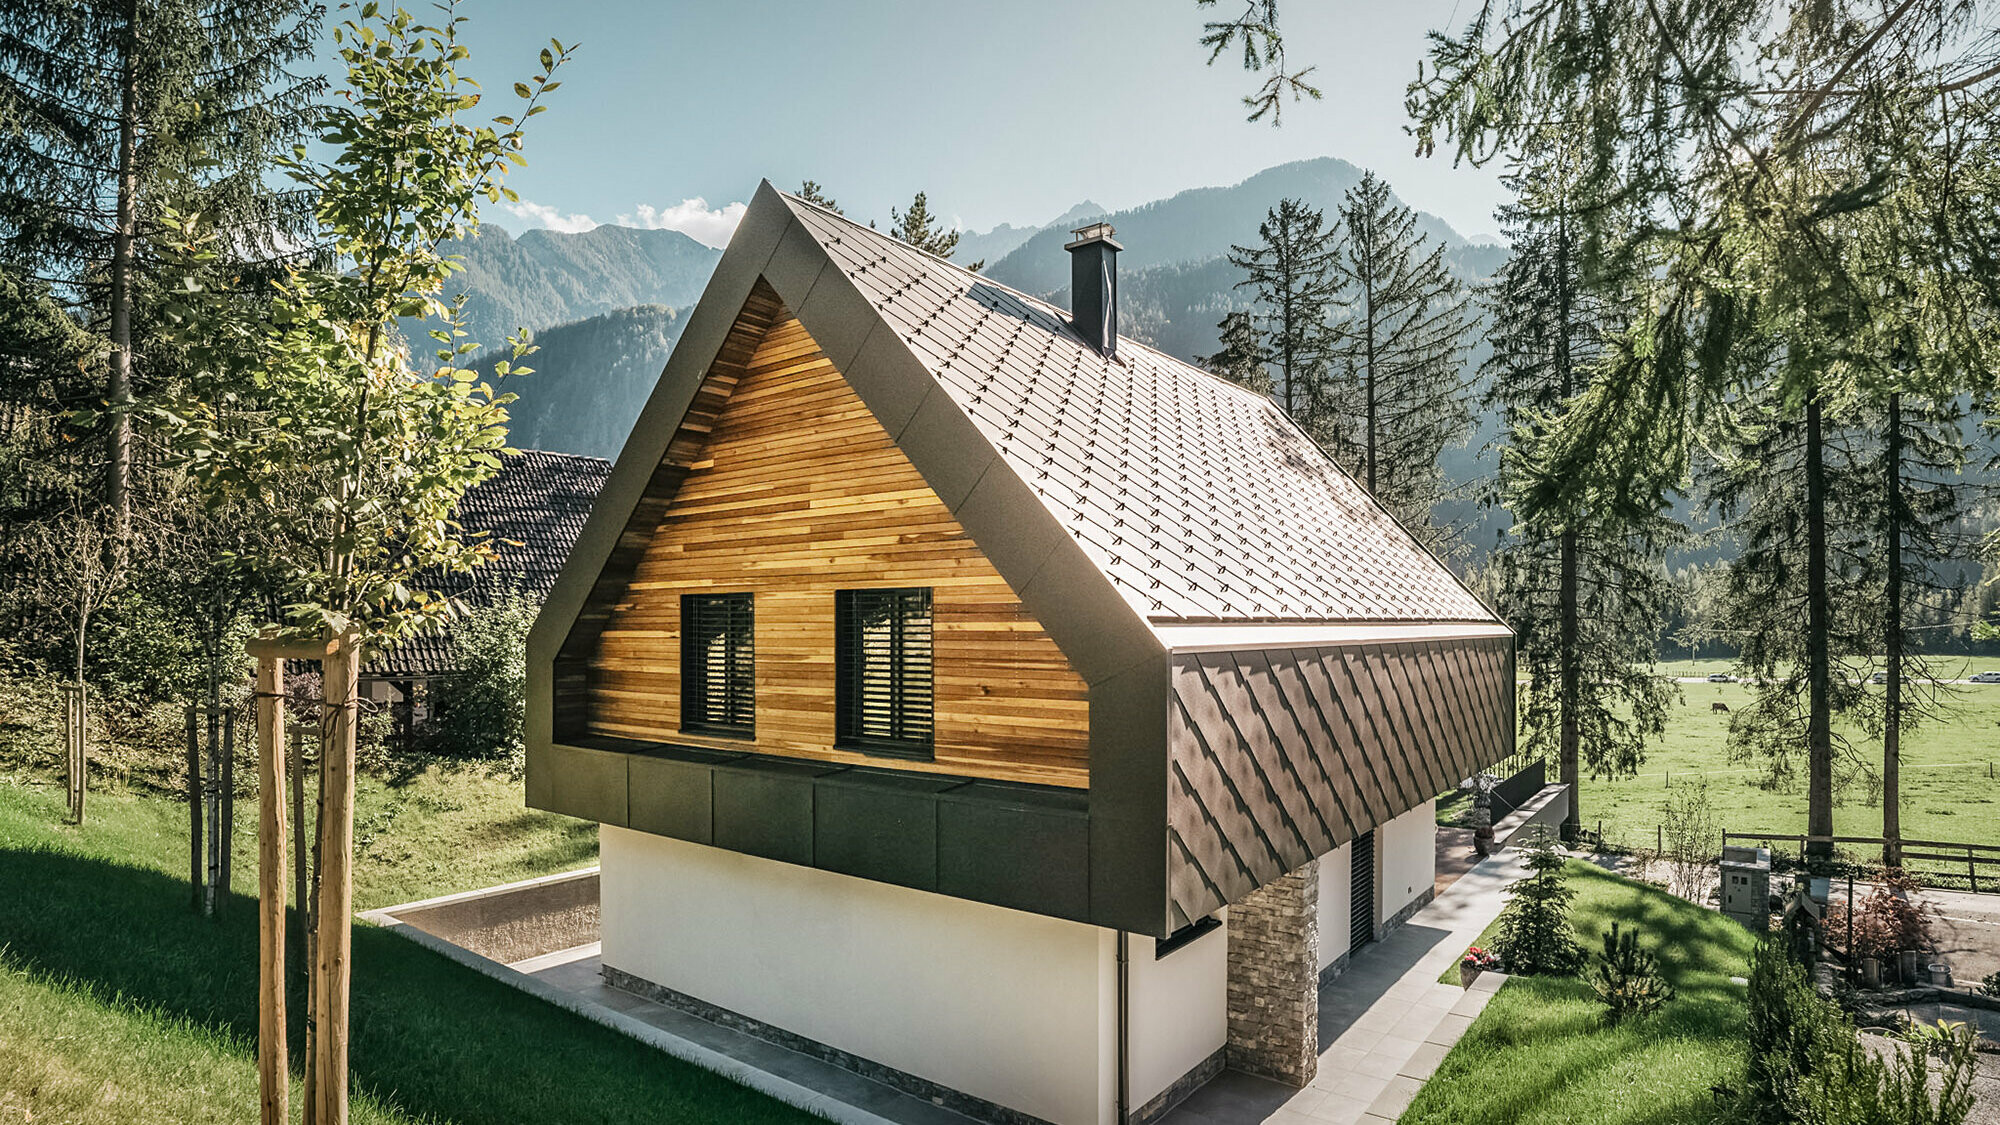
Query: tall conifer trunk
x,y
1570,734
118,486
1819,662
1892,640
1571,685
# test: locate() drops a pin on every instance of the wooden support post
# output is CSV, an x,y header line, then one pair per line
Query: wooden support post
x,y
273,1069
228,828
75,749
336,887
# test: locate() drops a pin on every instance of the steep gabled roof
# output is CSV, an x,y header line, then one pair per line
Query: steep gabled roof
x,y
1199,500
533,509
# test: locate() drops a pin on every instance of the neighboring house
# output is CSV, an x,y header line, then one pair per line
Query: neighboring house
x,y
532,509
988,703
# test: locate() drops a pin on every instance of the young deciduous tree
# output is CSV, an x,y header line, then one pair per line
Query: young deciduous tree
x,y
1291,275
306,405
1397,392
1584,586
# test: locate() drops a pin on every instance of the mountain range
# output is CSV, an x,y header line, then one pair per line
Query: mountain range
x,y
604,302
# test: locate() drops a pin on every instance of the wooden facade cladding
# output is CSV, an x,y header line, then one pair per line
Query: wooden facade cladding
x,y
1277,756
783,484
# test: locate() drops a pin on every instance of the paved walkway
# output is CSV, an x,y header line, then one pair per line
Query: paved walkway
x,y
1384,1024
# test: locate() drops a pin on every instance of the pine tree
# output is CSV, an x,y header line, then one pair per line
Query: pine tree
x,y
917,227
1292,278
1586,589
1243,356
116,107
1397,392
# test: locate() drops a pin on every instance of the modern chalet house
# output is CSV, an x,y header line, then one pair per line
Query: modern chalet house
x,y
986,702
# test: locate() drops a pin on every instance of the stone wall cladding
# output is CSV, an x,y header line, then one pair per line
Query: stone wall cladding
x,y
1274,979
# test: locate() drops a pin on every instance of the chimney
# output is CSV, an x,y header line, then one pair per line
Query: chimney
x,y
1093,286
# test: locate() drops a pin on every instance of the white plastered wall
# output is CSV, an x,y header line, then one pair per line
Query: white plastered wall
x,y
999,1004
1406,852
1180,1010
1336,878
1015,1008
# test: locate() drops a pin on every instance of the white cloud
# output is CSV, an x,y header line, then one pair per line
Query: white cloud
x,y
691,217
543,215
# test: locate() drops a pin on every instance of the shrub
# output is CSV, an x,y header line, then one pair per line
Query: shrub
x,y
1886,922
1628,978
480,711
1991,985
1807,1064
1690,834
1535,937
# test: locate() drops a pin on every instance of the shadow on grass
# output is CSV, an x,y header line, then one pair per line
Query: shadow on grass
x,y
429,1037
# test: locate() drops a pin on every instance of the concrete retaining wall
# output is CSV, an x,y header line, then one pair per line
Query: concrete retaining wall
x,y
509,923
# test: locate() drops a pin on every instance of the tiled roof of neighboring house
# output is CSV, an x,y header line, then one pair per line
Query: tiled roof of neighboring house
x,y
533,508
1201,501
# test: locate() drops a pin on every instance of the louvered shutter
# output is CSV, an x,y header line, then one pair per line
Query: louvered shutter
x,y
882,649
718,664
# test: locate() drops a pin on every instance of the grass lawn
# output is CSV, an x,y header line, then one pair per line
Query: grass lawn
x,y
120,1005
1541,1051
1947,791
1951,769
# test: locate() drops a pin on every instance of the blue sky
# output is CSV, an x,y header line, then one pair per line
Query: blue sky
x,y
1002,112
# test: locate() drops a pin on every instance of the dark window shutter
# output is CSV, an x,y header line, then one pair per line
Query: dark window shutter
x,y
882,657
718,665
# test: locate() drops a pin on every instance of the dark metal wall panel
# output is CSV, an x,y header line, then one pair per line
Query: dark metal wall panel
x,y
1043,836
873,824
1278,757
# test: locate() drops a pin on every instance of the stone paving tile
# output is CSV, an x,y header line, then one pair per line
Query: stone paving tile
x,y
1424,1062
1449,1029
1339,1110
1391,1102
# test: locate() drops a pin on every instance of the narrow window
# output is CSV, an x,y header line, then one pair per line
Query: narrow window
x,y
882,656
718,665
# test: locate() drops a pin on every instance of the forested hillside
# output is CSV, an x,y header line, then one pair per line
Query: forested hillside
x,y
590,380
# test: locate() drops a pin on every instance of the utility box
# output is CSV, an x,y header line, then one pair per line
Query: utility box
x,y
1746,886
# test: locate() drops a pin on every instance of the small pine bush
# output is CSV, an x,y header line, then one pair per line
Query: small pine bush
x,y
1628,978
1991,985
1535,937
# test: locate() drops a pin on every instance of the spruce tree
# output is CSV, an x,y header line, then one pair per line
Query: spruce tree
x,y
1919,503
1794,485
920,229
113,108
812,193
1397,393
1291,275
1585,587
1243,356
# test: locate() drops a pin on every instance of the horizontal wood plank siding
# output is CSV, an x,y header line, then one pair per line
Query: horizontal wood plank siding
x,y
795,492
1276,757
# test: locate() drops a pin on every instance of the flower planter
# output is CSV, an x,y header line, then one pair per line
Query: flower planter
x,y
1906,966
1467,974
1871,973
